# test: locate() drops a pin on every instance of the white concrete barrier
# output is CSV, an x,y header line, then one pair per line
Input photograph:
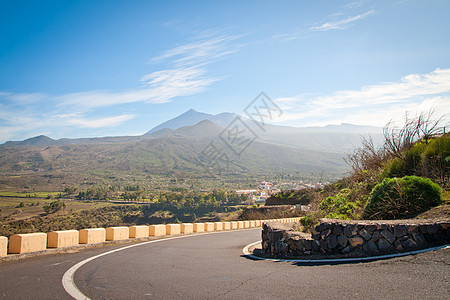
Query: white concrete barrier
x,y
3,246
218,226
139,231
172,229
25,243
240,224
209,226
252,224
199,227
117,233
187,228
92,235
258,223
226,225
234,225
157,230
63,238
246,224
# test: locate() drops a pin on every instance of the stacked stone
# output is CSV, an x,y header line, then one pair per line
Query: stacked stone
x,y
334,236
357,238
273,241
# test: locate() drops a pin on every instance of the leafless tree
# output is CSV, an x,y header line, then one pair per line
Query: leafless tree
x,y
424,126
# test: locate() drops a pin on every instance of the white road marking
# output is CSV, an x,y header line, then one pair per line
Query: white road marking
x,y
68,281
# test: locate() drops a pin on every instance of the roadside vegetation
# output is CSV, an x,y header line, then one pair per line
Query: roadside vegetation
x,y
71,211
403,178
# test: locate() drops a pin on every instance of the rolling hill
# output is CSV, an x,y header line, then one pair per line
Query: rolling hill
x,y
176,150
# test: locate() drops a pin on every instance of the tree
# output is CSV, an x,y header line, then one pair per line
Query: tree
x,y
54,206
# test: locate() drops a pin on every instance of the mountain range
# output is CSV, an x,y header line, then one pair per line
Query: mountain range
x,y
336,138
175,146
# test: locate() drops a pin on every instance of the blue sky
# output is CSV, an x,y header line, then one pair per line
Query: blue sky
x,y
97,68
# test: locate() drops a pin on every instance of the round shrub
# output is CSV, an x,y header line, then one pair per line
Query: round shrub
x,y
399,198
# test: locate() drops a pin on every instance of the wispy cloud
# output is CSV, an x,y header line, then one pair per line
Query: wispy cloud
x,y
341,24
98,123
185,74
348,16
200,52
374,104
180,71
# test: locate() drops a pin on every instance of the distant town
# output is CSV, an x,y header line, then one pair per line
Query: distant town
x,y
266,189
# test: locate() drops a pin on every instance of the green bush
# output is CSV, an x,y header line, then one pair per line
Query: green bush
x,y
54,206
347,204
397,198
309,221
422,159
436,159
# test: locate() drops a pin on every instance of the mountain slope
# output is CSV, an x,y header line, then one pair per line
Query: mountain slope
x,y
335,138
163,156
189,118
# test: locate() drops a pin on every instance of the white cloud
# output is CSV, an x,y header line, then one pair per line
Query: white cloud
x,y
97,123
186,75
346,20
371,105
183,71
341,24
200,52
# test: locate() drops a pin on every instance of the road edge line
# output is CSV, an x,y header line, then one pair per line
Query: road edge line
x,y
68,281
247,253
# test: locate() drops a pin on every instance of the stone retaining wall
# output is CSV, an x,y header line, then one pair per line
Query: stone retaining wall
x,y
354,238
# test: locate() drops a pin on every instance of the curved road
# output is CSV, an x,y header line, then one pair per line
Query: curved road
x,y
211,266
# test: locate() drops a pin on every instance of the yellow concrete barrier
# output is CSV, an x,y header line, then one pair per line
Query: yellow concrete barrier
x,y
187,228
3,246
199,227
240,224
252,224
139,231
117,233
226,225
246,224
234,225
218,225
63,238
258,223
172,229
157,230
209,226
25,243
92,235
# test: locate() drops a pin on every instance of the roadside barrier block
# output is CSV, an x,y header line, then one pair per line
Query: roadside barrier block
x,y
240,224
258,223
199,227
252,224
246,224
218,225
63,238
173,229
117,233
92,235
209,226
3,246
25,243
139,231
187,228
157,230
226,225
234,225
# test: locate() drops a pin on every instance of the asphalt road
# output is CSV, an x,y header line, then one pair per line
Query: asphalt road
x,y
211,266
